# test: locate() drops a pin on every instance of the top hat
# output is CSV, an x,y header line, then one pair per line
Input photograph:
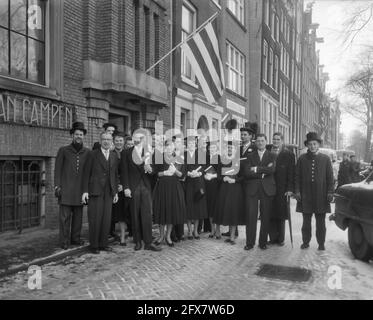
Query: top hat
x,y
231,125
78,126
312,136
250,127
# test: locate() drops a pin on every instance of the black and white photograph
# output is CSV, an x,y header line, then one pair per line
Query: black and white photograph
x,y
199,152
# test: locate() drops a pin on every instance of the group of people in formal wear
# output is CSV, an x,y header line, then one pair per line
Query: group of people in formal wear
x,y
197,182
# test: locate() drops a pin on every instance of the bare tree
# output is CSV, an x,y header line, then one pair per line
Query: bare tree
x,y
360,85
358,19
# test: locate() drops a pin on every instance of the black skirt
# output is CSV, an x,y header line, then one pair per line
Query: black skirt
x,y
195,202
169,201
229,210
121,209
212,189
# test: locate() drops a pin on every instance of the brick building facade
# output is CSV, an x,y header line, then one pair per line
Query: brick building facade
x,y
72,61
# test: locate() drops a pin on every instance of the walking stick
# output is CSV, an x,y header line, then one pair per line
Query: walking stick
x,y
289,216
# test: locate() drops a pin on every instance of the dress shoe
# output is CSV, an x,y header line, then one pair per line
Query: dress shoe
x,y
228,240
272,242
65,247
94,251
170,244
281,244
77,243
321,247
263,247
304,246
226,234
190,237
197,237
107,249
138,246
123,244
152,247
249,247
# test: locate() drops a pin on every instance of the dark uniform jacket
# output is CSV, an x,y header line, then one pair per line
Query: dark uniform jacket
x,y
244,153
263,177
99,171
314,181
69,174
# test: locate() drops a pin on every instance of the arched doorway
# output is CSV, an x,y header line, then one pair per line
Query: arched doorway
x,y
203,124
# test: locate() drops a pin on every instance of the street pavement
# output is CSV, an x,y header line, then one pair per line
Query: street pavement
x,y
205,269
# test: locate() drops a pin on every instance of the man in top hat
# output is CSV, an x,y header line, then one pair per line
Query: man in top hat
x,y
314,188
110,128
70,164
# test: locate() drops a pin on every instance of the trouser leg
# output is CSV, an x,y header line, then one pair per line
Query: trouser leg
x,y
135,215
252,220
106,218
320,228
265,210
76,224
146,215
274,230
281,228
65,222
95,213
307,228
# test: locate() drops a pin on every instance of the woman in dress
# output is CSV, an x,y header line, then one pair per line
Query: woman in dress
x,y
168,199
230,201
212,182
195,192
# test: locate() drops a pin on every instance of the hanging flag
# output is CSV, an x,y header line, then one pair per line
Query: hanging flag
x,y
203,54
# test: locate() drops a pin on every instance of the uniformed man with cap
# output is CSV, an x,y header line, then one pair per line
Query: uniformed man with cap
x,y
68,179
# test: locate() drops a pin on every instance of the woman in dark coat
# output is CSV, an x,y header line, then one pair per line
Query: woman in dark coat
x,y
212,183
230,201
195,190
168,198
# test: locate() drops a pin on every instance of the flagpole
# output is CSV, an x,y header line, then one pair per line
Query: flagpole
x,y
212,18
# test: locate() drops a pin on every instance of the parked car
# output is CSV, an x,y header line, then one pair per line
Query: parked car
x,y
354,210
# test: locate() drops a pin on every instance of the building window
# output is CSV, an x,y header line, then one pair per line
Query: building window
x,y
237,7
156,44
273,21
275,74
277,28
188,25
270,67
266,12
265,61
147,37
23,39
183,121
236,70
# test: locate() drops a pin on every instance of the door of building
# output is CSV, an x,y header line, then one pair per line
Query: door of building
x,y
20,193
121,118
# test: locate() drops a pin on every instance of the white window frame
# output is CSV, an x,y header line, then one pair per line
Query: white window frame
x,y
270,67
192,80
265,61
266,12
237,7
275,73
236,85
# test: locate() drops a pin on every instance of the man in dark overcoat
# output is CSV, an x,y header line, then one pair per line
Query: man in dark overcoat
x,y
284,178
136,172
68,179
344,171
259,185
101,191
314,187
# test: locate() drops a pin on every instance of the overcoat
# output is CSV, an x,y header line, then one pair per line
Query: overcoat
x,y
69,174
314,181
284,178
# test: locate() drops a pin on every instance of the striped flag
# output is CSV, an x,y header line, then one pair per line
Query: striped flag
x,y
203,54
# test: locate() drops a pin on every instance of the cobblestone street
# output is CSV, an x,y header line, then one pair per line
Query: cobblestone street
x,y
205,269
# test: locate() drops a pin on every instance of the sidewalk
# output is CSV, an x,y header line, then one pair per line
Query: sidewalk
x,y
33,246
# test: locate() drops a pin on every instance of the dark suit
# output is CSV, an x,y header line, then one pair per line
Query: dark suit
x,y
101,179
68,176
259,186
133,177
284,178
